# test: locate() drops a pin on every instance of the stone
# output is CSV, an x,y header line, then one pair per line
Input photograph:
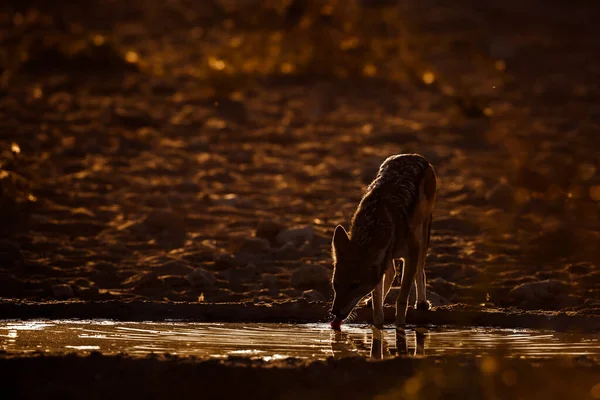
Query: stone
x,y
269,230
201,278
313,295
144,280
538,291
310,276
252,244
443,287
174,281
62,291
297,235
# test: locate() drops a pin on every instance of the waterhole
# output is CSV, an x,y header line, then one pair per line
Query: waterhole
x,y
278,341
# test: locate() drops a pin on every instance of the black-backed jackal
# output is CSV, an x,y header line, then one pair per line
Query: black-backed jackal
x,y
392,221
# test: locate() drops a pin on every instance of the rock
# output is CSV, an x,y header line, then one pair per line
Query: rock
x,y
296,235
241,275
225,261
173,267
313,295
501,196
580,268
144,280
538,291
310,276
271,282
174,281
443,287
269,230
201,278
62,291
105,274
251,244
105,267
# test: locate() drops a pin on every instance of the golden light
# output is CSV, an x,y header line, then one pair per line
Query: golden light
x,y
14,147
488,112
370,70
500,65
595,392
413,385
287,68
98,40
131,57
32,198
428,78
489,365
235,41
37,93
216,64
349,43
595,192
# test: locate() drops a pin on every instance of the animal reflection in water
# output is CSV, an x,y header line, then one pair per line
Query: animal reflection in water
x,y
344,345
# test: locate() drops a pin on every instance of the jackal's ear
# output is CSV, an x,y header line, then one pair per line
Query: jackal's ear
x,y
340,241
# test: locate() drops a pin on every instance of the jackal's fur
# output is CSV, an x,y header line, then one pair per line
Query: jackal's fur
x,y
391,222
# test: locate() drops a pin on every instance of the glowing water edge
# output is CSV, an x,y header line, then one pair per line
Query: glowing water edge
x,y
277,341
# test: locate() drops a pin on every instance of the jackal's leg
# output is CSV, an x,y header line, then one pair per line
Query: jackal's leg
x,y
388,279
422,303
408,275
377,344
377,301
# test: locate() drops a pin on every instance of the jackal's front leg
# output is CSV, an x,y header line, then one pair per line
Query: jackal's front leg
x,y
377,297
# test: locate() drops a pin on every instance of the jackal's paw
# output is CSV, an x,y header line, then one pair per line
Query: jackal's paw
x,y
424,305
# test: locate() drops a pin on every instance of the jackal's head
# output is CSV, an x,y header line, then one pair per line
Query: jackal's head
x,y
355,274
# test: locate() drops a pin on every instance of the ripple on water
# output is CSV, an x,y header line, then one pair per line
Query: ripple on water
x,y
279,341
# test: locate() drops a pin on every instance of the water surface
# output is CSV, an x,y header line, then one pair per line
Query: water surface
x,y
277,341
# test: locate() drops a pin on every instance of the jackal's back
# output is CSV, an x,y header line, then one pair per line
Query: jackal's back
x,y
391,198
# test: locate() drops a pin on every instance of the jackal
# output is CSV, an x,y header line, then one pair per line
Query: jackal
x,y
392,221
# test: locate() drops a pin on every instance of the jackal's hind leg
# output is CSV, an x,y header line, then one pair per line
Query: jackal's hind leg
x,y
422,303
408,275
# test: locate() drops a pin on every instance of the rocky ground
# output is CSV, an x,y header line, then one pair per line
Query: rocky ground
x,y
204,151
